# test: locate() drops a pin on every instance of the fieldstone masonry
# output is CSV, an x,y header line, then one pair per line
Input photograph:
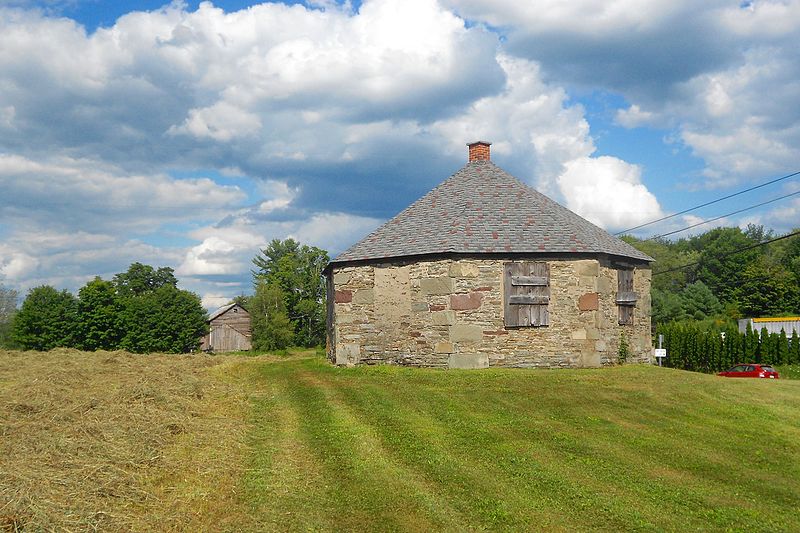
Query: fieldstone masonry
x,y
449,313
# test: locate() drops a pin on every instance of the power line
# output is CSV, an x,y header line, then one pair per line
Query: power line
x,y
723,216
687,265
709,203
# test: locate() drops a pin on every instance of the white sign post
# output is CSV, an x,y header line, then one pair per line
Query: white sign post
x,y
659,352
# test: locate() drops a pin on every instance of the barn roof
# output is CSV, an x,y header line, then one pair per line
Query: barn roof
x,y
481,209
222,310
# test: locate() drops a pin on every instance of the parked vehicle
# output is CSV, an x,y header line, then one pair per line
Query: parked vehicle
x,y
750,371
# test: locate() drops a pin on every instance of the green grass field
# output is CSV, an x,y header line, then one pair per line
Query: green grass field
x,y
314,447
630,448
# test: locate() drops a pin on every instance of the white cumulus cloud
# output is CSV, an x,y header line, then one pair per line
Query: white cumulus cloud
x,y
608,191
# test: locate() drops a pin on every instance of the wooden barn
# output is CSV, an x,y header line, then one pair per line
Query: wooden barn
x,y
485,271
229,330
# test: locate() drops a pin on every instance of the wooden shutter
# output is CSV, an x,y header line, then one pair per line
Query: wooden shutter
x,y
626,297
527,293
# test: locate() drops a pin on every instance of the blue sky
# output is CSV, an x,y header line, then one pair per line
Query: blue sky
x,y
190,134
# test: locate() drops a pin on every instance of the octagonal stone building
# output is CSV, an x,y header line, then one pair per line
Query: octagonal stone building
x,y
485,271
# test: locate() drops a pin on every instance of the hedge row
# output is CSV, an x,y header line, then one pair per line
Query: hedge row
x,y
700,348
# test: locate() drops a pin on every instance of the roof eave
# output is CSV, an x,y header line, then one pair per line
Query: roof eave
x,y
541,255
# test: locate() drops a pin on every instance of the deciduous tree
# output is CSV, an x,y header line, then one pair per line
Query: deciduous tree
x,y
47,319
720,268
271,327
99,316
8,308
166,319
766,288
139,279
297,270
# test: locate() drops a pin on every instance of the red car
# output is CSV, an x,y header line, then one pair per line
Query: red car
x,y
750,371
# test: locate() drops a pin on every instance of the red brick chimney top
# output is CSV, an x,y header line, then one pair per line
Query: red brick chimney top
x,y
479,151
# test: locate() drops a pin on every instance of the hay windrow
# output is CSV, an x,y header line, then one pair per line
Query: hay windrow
x,y
118,442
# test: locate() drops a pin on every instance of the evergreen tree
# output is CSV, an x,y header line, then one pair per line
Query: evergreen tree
x,y
782,349
763,345
751,344
794,356
667,307
698,302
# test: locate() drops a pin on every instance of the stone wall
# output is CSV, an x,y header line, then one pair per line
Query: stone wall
x,y
449,313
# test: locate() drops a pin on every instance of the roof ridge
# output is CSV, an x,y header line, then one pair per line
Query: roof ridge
x,y
222,310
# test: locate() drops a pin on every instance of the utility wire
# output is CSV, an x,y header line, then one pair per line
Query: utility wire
x,y
709,203
687,265
723,216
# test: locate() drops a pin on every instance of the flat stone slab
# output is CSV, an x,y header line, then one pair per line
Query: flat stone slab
x,y
468,361
340,278
364,296
589,302
348,354
464,270
443,318
463,302
465,333
444,347
443,285
343,297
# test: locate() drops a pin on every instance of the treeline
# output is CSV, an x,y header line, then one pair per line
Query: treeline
x,y
728,275
140,310
698,347
288,304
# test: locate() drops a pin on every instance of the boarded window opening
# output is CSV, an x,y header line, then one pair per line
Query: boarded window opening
x,y
526,294
626,297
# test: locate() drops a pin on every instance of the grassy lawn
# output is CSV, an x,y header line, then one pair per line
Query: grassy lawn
x,y
291,443
616,449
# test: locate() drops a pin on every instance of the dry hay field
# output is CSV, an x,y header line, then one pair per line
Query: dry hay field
x,y
111,441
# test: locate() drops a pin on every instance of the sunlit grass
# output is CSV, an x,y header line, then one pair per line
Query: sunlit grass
x,y
387,448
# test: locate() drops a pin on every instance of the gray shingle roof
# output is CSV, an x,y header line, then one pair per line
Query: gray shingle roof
x,y
221,311
483,209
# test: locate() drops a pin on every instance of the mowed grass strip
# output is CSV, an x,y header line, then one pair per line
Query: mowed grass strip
x,y
316,466
627,448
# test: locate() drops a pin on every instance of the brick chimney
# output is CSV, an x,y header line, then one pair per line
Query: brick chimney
x,y
479,151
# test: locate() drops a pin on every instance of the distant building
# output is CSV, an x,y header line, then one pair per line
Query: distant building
x,y
773,325
230,330
485,271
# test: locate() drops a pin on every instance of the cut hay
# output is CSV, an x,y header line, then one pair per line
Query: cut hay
x,y
118,442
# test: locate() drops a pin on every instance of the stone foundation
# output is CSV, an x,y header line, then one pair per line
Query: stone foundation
x,y
449,313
